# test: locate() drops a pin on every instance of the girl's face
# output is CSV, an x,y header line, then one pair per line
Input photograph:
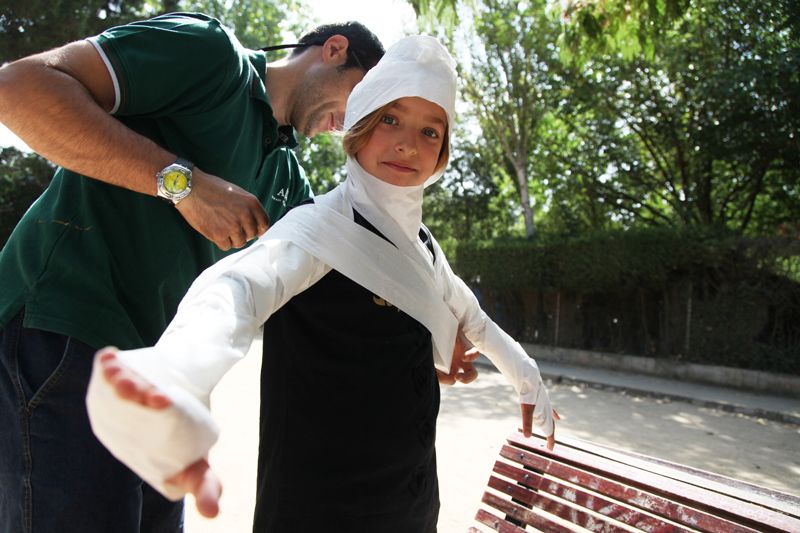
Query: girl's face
x,y
404,147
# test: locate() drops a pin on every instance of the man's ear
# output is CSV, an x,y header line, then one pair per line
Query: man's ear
x,y
334,51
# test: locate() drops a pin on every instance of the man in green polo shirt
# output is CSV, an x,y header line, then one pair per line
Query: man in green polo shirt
x,y
172,142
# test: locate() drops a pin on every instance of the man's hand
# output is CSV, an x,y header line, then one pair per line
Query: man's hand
x,y
197,479
461,368
222,212
527,424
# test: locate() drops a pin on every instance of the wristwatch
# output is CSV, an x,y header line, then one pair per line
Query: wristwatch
x,y
175,181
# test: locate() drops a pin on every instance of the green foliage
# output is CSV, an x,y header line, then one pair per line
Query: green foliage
x,y
323,160
256,23
470,201
436,15
695,294
703,130
23,177
706,132
30,26
616,259
588,27
571,157
631,28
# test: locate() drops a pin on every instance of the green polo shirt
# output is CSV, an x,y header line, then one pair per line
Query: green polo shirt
x,y
108,266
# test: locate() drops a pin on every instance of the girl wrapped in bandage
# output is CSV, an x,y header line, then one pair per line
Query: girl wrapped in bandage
x,y
358,306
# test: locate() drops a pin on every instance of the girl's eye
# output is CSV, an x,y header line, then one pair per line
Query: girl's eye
x,y
430,132
389,119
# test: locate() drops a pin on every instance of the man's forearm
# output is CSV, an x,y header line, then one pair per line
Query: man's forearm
x,y
59,101
57,115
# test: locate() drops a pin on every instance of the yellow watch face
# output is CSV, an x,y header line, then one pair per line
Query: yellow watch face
x,y
175,182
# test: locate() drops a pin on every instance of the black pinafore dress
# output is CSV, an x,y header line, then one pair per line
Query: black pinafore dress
x,y
349,400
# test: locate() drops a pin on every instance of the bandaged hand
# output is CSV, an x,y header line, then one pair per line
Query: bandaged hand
x,y
163,434
528,414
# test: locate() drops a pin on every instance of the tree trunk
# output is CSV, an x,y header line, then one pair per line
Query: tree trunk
x,y
525,200
705,204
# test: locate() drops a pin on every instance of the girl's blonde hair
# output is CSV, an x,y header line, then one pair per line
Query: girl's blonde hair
x,y
356,137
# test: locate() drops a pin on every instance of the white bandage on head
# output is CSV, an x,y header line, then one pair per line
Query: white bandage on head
x,y
414,66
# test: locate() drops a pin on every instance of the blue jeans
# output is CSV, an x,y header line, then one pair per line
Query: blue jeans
x,y
54,474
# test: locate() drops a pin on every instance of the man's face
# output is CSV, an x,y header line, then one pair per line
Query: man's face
x,y
320,105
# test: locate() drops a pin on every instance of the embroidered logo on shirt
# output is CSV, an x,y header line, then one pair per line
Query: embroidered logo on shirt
x,y
281,196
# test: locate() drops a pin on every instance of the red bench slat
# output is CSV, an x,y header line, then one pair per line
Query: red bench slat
x,y
554,507
599,488
595,480
521,514
586,500
738,510
771,499
496,523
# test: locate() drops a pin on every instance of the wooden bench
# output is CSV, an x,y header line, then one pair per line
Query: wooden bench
x,y
582,486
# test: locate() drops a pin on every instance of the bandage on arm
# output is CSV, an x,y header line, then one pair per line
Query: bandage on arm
x,y
503,351
212,330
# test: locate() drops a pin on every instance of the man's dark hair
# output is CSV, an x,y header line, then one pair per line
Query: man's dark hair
x,y
364,49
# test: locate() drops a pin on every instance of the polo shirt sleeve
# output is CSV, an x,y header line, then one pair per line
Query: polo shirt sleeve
x,y
171,64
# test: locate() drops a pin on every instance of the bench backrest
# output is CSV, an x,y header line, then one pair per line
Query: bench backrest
x,y
598,488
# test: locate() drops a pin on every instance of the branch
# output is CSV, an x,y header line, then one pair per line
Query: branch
x,y
669,175
633,199
650,146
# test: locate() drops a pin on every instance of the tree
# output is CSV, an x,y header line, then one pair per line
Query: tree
x,y
30,26
707,131
571,161
256,23
471,201
588,27
513,83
